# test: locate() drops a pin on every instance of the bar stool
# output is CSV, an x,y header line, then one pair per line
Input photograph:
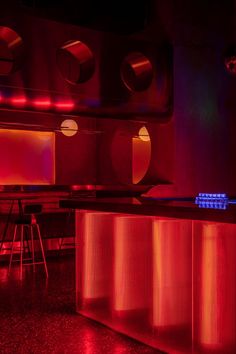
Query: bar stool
x,y
27,223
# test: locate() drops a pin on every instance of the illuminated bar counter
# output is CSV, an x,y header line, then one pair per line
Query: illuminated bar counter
x,y
160,271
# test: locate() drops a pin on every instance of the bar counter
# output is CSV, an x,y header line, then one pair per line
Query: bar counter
x,y
162,272
153,207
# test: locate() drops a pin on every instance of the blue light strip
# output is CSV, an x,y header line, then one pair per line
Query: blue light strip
x,y
212,200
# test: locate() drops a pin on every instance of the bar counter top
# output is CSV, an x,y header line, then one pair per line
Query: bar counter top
x,y
175,208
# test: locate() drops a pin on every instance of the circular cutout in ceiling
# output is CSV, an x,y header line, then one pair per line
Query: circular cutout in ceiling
x,y
76,62
11,45
230,60
136,72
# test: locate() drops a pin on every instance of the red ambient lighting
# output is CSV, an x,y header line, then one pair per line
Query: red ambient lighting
x,y
64,106
18,101
29,157
42,103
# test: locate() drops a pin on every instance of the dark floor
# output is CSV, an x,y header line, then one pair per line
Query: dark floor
x,y
37,316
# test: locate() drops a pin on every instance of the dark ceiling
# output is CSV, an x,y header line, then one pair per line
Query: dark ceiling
x,y
120,16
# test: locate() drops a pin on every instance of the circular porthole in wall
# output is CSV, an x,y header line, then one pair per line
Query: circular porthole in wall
x,y
141,154
69,127
76,62
11,47
143,134
136,72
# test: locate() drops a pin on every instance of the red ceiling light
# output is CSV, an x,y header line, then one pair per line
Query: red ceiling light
x,y
42,103
64,106
27,99
18,101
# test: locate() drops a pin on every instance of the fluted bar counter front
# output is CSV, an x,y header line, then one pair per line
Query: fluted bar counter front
x,y
160,271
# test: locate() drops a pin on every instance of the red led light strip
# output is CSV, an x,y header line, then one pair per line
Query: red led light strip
x,y
37,103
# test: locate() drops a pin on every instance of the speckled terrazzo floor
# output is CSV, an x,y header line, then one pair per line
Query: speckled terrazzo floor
x,y
37,316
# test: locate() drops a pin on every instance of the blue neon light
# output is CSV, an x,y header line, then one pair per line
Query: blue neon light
x,y
212,200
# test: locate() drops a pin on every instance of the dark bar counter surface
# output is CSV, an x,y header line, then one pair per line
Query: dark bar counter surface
x,y
175,208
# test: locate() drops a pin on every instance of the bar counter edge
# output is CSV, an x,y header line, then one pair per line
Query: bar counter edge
x,y
139,206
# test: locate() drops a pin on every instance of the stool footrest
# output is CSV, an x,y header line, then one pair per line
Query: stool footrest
x,y
33,263
25,259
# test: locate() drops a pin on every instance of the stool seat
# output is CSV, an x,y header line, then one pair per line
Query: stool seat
x,y
24,220
30,209
28,227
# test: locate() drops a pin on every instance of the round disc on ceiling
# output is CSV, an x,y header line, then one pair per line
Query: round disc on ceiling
x,y
76,62
136,72
10,50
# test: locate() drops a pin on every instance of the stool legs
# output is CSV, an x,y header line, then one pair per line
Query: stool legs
x,y
31,230
21,249
12,247
32,246
42,250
